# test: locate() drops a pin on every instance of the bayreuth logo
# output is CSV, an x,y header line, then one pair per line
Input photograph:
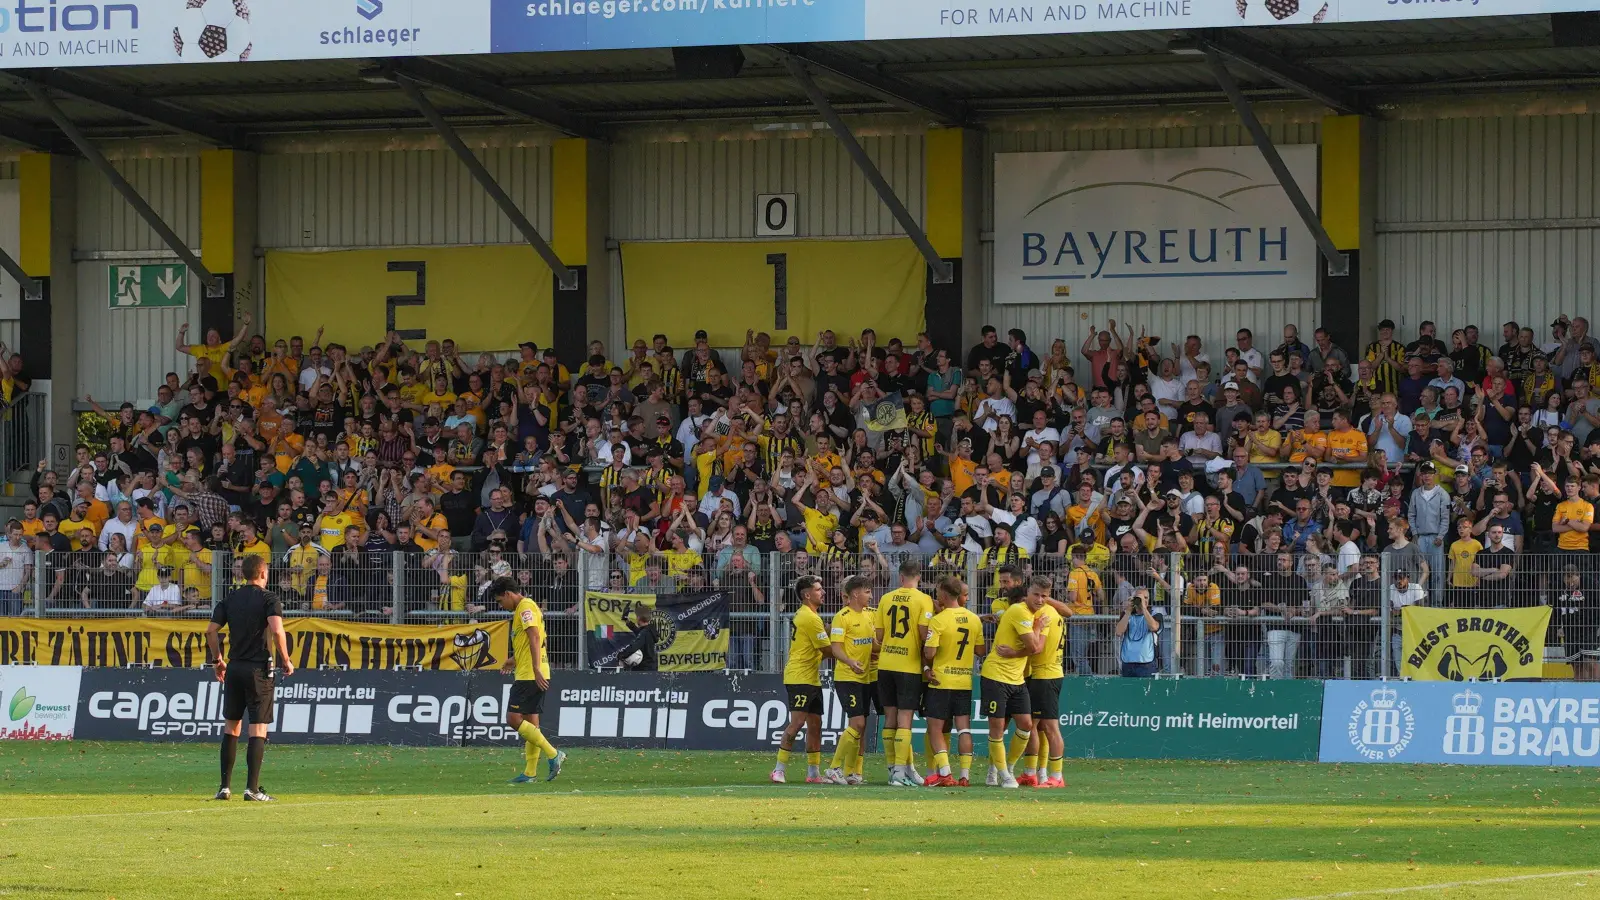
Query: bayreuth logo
x,y
1382,726
1226,187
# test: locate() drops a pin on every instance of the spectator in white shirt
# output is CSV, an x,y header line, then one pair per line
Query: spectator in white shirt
x,y
1201,445
1039,434
1189,357
15,560
165,596
1245,340
122,523
1402,593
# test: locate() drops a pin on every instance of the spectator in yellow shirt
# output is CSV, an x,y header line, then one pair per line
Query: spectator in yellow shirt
x,y
213,350
1346,446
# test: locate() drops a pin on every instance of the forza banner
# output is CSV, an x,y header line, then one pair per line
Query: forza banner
x,y
1480,723
1480,645
313,643
691,629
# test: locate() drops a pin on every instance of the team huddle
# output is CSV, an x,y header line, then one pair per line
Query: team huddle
x,y
916,654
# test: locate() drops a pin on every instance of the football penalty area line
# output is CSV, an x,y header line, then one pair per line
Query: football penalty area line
x,y
1447,885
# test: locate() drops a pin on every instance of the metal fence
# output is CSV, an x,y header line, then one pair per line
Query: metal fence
x,y
1288,616
22,432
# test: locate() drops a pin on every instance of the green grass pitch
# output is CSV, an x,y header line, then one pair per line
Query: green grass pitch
x,y
135,820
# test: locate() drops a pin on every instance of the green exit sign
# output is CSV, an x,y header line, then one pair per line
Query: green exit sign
x,y
143,287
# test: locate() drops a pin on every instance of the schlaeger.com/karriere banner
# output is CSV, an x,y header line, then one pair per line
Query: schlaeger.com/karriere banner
x,y
1476,723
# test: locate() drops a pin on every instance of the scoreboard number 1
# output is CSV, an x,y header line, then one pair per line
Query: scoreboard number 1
x,y
780,290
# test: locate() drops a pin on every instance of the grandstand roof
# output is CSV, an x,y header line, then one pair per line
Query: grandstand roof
x,y
968,79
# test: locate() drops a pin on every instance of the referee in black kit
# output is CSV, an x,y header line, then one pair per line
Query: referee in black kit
x,y
251,613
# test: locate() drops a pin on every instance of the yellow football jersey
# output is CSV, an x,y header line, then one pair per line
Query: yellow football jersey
x,y
1047,662
1015,625
853,631
956,634
805,649
528,615
899,613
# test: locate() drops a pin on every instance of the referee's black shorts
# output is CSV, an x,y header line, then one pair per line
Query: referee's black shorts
x,y
1004,701
1044,695
248,688
900,690
526,699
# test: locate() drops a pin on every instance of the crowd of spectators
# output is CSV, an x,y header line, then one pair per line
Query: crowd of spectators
x,y
1262,490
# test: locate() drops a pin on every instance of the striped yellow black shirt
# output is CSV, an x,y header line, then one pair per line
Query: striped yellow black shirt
x,y
1387,377
919,424
948,560
772,447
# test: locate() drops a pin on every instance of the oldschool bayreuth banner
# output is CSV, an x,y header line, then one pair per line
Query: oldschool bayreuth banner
x,y
357,296
1096,226
313,642
1473,645
691,629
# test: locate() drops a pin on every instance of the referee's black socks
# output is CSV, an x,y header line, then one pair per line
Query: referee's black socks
x,y
252,759
230,752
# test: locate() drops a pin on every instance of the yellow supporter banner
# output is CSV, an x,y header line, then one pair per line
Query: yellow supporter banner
x,y
1482,644
181,643
780,287
483,298
691,629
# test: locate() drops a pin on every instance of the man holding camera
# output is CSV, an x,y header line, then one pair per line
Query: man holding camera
x,y
1137,632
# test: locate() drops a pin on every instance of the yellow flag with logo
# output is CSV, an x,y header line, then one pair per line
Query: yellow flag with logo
x,y
483,298
1481,644
780,287
691,629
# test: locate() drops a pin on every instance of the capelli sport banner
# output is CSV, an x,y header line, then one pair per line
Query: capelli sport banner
x,y
483,298
1481,645
313,643
692,629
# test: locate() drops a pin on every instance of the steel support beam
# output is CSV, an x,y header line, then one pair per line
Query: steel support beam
x,y
513,103
27,135
942,273
41,96
30,287
565,277
149,111
1303,81
905,95
1338,262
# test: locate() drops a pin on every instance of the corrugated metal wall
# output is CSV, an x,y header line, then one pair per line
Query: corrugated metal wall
x,y
122,354
1216,322
1484,220
706,189
377,198
170,184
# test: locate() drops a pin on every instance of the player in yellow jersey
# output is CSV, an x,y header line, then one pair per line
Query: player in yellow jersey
x,y
802,681
1041,758
853,633
530,660
955,640
902,629
1019,635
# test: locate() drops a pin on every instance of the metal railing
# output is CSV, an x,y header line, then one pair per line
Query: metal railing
x,y
1262,621
22,432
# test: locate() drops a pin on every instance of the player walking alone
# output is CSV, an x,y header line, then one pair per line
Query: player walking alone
x,y
251,613
530,660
